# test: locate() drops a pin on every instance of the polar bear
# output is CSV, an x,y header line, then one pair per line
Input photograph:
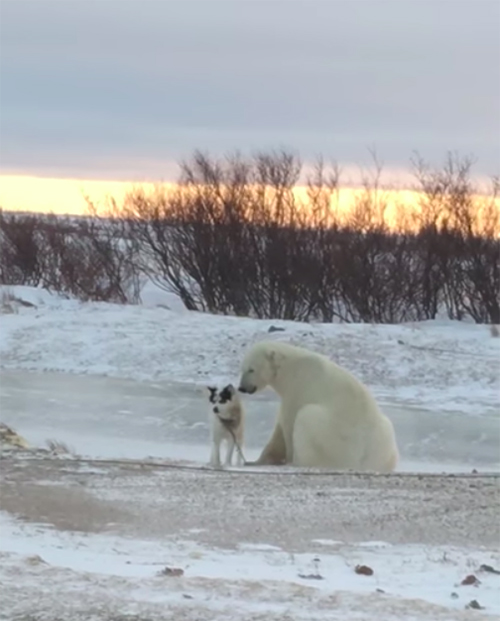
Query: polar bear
x,y
327,418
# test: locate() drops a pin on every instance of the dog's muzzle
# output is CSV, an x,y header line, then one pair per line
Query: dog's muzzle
x,y
246,390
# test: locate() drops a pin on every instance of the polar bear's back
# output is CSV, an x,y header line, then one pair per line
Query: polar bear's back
x,y
314,378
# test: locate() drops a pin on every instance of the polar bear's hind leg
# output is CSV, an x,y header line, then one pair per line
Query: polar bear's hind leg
x,y
308,438
318,441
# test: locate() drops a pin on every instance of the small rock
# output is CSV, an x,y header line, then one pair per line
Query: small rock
x,y
470,580
474,604
35,560
25,303
363,570
172,572
489,569
275,329
380,590
454,595
187,596
311,576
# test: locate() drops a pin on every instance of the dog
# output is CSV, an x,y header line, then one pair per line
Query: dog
x,y
227,418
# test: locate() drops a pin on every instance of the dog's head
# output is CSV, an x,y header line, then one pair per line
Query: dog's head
x,y
222,399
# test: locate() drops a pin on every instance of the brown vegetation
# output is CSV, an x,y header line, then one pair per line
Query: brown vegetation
x,y
234,237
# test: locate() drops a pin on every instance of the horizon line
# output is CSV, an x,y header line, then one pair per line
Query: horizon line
x,y
66,195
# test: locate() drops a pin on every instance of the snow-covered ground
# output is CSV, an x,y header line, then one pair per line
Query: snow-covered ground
x,y
119,576
441,365
125,382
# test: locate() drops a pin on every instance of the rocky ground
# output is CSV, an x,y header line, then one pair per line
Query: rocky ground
x,y
288,511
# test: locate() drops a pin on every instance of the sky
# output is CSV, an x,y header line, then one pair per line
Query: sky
x,y
124,89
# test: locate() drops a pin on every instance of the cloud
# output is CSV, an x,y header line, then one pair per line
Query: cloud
x,y
88,81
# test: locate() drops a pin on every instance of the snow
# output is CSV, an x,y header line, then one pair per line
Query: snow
x,y
445,366
417,579
441,371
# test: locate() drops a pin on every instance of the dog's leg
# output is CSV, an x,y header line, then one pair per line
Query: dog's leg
x,y
230,451
239,458
215,454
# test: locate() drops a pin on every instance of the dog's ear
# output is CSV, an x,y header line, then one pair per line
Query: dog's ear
x,y
227,393
211,392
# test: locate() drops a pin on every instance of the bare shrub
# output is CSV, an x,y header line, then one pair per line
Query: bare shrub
x,y
7,302
235,237
376,277
228,238
462,243
56,447
84,257
88,259
150,221
116,255
20,249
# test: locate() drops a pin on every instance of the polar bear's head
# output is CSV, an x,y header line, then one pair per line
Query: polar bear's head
x,y
258,368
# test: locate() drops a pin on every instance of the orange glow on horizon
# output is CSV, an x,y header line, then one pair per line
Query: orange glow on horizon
x,y
67,196
60,196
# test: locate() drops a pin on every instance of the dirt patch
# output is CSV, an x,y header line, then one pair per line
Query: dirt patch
x,y
282,508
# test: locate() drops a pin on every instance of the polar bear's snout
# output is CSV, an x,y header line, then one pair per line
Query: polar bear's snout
x,y
248,382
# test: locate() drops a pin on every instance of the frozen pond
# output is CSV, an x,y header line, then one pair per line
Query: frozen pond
x,y
104,417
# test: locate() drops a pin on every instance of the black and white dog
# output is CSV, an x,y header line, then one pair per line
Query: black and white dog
x,y
227,419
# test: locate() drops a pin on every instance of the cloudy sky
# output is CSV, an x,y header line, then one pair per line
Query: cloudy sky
x,y
125,88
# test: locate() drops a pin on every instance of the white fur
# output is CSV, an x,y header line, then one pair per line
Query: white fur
x,y
327,417
232,411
